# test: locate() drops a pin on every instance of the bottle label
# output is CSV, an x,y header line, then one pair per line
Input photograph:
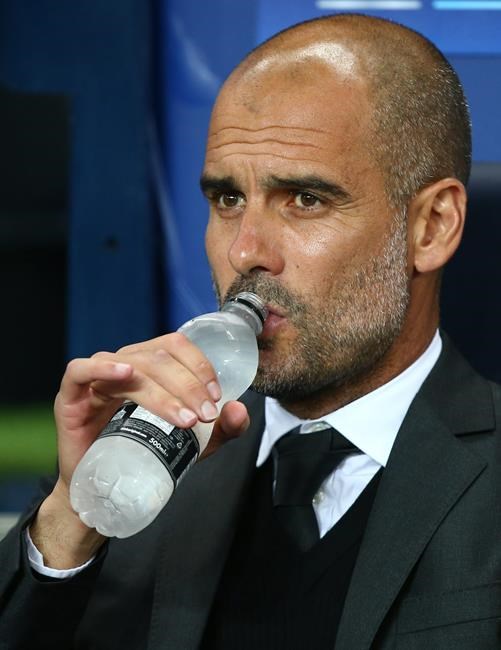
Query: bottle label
x,y
178,449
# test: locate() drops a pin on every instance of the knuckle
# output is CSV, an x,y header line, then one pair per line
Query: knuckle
x,y
177,339
205,367
161,355
101,355
73,365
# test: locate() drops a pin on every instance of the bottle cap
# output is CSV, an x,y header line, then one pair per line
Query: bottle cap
x,y
252,301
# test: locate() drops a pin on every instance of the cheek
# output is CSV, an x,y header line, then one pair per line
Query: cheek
x,y
310,266
315,249
326,260
313,253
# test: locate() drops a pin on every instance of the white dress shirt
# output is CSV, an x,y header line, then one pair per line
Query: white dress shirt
x,y
371,423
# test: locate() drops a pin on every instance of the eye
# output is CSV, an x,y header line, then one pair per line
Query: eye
x,y
306,200
227,200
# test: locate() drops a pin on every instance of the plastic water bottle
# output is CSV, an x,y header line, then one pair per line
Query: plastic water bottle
x,y
129,473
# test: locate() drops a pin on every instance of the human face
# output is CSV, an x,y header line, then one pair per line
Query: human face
x,y
298,214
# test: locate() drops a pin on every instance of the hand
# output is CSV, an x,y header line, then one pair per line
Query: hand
x,y
168,376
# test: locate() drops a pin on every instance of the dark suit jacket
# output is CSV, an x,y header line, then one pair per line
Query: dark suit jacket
x,y
428,576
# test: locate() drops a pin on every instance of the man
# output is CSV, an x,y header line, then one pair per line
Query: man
x,y
336,162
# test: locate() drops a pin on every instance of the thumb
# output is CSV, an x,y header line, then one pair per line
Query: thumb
x,y
231,423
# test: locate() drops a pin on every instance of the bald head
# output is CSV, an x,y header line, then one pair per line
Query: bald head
x,y
418,128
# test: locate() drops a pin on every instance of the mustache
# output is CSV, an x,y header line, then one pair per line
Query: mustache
x,y
269,290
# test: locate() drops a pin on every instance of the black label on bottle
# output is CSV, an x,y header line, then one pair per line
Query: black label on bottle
x,y
178,449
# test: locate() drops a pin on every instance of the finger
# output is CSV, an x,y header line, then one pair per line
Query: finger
x,y
173,375
80,373
181,382
233,422
146,392
189,355
150,344
186,353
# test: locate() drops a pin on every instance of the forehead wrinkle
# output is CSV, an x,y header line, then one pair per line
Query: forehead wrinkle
x,y
293,144
211,160
265,128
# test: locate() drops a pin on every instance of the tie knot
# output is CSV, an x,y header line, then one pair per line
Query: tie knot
x,y
304,460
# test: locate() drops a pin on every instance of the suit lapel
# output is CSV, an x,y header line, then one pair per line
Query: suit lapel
x,y
427,472
417,490
196,544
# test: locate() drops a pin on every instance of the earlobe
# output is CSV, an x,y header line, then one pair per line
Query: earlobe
x,y
436,215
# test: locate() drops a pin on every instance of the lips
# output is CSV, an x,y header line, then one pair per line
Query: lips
x,y
274,321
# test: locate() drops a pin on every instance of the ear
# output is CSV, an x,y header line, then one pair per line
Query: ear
x,y
436,216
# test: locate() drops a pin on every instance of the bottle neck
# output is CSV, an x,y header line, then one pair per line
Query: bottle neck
x,y
246,314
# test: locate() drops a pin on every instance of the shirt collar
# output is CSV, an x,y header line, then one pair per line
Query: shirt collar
x,y
371,422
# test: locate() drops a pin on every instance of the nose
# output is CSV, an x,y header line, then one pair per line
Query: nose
x,y
257,245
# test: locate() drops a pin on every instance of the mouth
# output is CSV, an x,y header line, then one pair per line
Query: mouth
x,y
275,320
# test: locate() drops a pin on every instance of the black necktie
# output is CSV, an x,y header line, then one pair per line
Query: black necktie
x,y
302,462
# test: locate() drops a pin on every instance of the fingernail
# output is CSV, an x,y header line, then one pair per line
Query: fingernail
x,y
208,411
214,390
187,416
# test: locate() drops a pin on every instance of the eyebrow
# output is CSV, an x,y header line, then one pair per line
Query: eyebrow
x,y
212,184
309,183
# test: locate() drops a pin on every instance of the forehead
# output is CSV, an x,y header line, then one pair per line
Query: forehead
x,y
292,115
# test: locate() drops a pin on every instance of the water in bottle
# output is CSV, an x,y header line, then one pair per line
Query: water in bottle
x,y
129,473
